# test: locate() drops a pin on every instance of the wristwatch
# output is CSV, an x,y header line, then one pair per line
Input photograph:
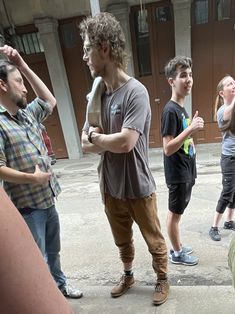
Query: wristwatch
x,y
90,137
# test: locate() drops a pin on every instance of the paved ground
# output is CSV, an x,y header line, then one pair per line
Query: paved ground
x,y
90,259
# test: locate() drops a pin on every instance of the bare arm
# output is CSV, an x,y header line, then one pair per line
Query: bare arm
x,y
11,175
121,142
172,144
87,147
33,288
36,83
228,111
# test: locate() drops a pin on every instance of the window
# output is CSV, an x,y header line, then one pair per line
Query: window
x,y
163,14
223,9
27,43
142,42
69,35
201,12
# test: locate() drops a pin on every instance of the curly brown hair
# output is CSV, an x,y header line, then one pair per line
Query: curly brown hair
x,y
104,27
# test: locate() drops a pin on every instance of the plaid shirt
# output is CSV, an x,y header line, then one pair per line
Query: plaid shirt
x,y
21,145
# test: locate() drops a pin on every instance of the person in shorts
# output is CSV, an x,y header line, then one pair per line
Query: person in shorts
x,y
179,153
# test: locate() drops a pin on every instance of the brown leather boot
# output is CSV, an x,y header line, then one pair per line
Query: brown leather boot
x,y
124,284
161,291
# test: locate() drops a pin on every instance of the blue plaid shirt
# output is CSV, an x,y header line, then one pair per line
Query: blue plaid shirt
x,y
21,145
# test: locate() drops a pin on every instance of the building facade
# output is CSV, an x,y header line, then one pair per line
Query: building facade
x,y
46,33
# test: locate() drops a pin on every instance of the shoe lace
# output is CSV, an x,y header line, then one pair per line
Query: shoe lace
x,y
122,280
230,224
67,288
159,285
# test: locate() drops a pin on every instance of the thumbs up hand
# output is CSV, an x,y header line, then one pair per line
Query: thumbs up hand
x,y
197,123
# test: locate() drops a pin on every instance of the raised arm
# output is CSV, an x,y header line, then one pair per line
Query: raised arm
x,y
228,111
40,89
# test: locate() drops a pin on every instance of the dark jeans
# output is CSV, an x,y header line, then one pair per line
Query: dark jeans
x,y
227,196
45,228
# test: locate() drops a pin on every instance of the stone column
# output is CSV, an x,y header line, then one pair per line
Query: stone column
x,y
121,11
95,7
182,18
49,36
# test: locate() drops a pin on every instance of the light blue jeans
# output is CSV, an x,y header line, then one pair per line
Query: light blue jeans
x,y
45,227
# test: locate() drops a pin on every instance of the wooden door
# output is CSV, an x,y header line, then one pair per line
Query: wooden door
x,y
27,42
78,73
213,53
152,30
38,64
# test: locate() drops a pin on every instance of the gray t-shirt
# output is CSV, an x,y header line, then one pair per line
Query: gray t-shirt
x,y
228,141
127,175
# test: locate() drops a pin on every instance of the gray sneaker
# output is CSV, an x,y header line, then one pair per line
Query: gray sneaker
x,y
214,234
184,259
229,225
185,249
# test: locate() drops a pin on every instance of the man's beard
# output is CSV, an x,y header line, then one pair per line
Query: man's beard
x,y
21,103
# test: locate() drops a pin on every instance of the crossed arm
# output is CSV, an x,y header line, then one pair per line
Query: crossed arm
x,y
120,142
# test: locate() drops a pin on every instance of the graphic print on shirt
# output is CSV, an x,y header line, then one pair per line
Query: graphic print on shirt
x,y
115,109
189,147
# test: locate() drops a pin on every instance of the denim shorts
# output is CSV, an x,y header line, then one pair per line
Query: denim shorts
x,y
179,196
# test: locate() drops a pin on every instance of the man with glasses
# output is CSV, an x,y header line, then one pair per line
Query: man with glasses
x,y
117,127
24,161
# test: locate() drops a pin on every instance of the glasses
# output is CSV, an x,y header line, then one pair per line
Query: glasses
x,y
87,50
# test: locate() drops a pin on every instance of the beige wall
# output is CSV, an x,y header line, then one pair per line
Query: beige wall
x,y
24,11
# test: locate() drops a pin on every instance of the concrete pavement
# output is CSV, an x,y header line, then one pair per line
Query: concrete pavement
x,y
182,300
90,258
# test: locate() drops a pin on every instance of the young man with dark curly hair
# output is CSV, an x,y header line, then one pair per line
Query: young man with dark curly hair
x,y
117,127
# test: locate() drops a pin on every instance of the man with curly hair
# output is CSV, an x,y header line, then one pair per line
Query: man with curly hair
x,y
120,134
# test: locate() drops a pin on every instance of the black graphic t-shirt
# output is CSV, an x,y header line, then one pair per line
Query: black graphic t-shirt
x,y
180,167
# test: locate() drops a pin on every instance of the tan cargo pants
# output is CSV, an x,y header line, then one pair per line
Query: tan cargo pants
x,y
121,215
